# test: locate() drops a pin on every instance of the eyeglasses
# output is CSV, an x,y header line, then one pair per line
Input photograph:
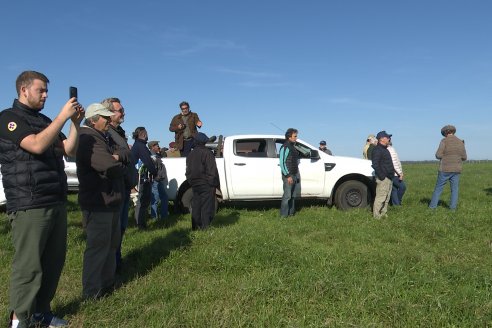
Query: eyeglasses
x,y
185,108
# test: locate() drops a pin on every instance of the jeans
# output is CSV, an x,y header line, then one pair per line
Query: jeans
x,y
159,194
287,205
442,179
399,188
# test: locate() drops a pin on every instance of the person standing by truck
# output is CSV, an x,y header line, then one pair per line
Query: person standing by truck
x,y
184,126
203,176
289,165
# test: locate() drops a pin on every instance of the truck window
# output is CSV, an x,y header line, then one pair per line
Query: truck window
x,y
250,148
304,151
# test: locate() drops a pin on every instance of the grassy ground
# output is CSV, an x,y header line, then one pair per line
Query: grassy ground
x,y
321,268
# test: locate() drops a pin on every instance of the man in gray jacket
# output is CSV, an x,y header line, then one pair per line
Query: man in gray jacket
x,y
119,137
452,153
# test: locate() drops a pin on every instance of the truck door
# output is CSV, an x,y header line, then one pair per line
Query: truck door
x,y
249,172
312,172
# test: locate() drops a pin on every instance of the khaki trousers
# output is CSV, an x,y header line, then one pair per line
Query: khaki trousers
x,y
383,194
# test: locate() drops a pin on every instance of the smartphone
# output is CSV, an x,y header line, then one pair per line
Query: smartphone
x,y
73,92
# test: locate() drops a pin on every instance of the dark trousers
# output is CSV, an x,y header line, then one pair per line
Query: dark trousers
x,y
143,202
203,206
399,188
39,237
187,146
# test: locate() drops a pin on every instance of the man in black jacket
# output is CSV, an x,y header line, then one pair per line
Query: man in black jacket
x,y
383,167
31,153
202,174
101,173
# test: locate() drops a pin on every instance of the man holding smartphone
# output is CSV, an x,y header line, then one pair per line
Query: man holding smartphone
x,y
31,154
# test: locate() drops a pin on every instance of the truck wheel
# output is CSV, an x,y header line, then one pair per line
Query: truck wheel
x,y
351,194
186,202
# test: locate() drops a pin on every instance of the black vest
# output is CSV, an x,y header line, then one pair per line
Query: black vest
x,y
31,180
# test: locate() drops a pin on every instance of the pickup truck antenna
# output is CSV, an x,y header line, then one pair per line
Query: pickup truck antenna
x,y
277,127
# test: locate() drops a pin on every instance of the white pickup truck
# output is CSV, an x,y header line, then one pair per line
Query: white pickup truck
x,y
249,170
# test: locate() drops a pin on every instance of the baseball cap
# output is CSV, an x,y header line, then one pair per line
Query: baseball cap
x,y
97,109
322,142
152,143
382,134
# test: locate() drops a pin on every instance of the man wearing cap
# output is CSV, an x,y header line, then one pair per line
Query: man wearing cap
x,y
323,148
101,170
384,170
451,153
185,125
202,174
120,139
173,151
159,183
31,153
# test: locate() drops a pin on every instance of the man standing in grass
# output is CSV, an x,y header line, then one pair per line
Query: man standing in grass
x,y
101,172
384,170
289,165
452,153
31,153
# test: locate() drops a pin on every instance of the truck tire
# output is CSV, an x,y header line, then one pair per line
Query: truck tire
x,y
351,194
186,201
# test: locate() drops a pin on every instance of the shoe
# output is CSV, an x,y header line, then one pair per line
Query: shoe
x,y
48,320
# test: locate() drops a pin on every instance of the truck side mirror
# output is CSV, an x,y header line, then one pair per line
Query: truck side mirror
x,y
314,154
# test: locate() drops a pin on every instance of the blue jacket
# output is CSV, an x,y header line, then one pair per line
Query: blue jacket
x,y
141,152
382,162
289,159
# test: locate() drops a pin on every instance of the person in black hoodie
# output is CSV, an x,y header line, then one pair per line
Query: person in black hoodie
x,y
202,174
146,171
101,173
384,170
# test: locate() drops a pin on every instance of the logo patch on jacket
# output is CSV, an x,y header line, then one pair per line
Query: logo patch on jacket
x,y
12,126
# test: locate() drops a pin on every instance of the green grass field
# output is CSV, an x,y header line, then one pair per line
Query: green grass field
x,y
321,268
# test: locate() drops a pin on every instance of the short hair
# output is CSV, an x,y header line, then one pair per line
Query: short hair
x,y
448,129
89,121
108,103
184,103
137,132
26,78
289,132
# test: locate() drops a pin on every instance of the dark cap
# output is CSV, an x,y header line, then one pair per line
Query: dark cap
x,y
322,142
201,138
151,144
383,134
172,144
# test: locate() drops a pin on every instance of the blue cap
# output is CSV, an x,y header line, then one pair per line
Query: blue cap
x,y
383,134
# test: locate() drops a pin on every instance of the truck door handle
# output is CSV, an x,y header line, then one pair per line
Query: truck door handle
x,y
240,164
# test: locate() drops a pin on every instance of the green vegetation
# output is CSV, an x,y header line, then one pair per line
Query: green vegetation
x,y
321,268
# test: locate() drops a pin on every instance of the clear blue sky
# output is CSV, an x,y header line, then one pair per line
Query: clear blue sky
x,y
335,70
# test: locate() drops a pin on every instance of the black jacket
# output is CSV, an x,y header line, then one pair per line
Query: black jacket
x,y
141,152
382,162
31,180
201,168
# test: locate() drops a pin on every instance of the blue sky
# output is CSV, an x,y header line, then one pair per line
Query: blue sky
x,y
335,70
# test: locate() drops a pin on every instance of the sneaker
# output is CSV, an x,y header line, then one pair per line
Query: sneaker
x,y
48,320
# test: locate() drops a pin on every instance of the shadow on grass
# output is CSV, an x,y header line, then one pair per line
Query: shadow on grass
x,y
427,200
140,261
488,191
272,204
226,220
